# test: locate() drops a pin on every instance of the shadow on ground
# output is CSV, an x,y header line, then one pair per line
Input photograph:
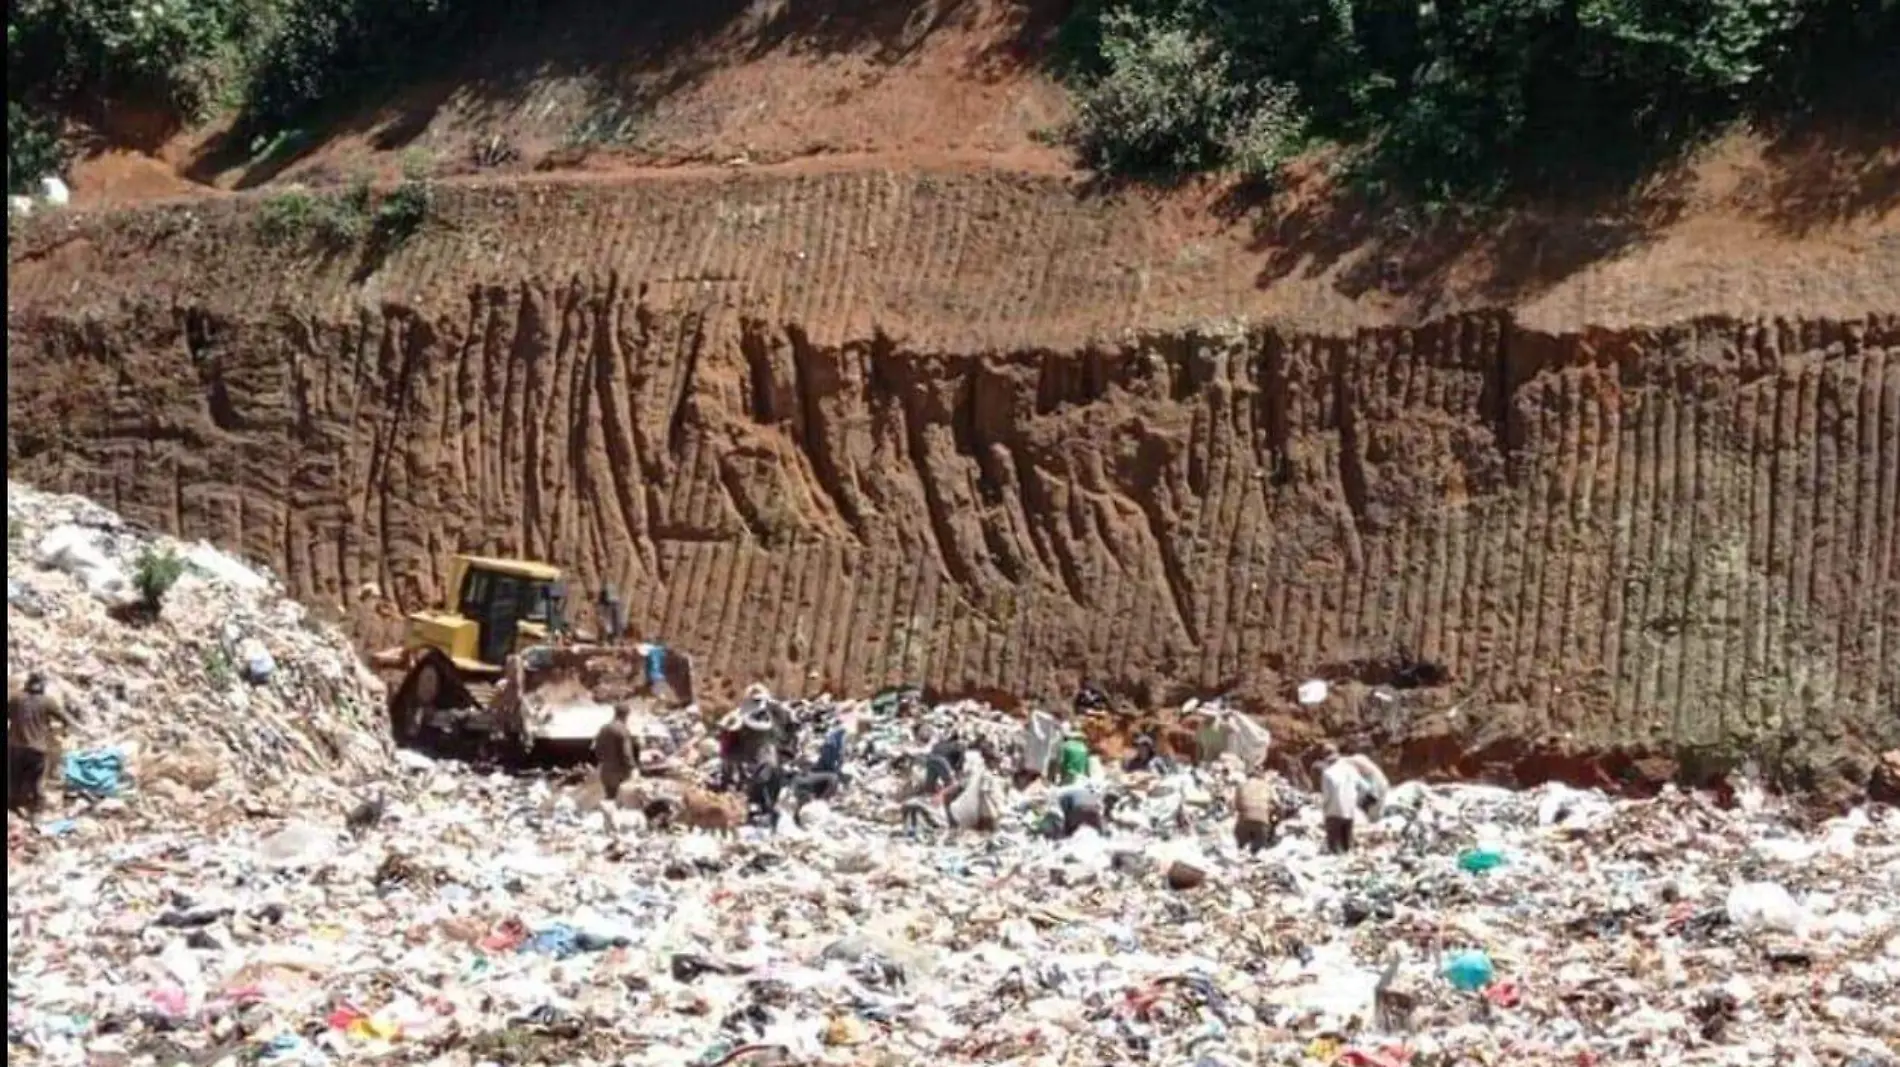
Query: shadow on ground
x,y
634,56
1823,175
1811,176
1501,255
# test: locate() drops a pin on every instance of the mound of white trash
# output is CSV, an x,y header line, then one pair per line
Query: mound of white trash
x,y
223,688
492,920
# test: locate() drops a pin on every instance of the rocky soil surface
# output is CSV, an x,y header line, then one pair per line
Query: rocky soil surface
x,y
838,458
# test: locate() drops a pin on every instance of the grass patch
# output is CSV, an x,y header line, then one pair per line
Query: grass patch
x,y
326,220
403,212
608,124
153,574
218,667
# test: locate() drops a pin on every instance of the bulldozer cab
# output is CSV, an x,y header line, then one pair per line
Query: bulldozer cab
x,y
497,606
500,601
468,688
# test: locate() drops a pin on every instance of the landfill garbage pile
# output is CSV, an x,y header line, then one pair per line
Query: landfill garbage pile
x,y
474,918
224,690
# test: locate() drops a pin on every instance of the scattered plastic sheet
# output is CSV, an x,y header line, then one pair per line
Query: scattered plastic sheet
x,y
218,910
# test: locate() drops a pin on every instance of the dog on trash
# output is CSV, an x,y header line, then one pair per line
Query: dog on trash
x,y
699,809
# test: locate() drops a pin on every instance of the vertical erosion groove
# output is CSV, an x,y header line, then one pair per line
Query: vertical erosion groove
x,y
1681,536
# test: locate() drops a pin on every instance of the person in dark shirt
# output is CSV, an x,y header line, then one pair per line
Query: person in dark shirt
x,y
1145,758
31,745
831,751
618,756
944,763
1089,699
771,784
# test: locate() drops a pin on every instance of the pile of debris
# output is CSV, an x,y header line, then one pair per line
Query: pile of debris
x,y
476,918
182,670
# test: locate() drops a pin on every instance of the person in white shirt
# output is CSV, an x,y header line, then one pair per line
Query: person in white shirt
x,y
1348,786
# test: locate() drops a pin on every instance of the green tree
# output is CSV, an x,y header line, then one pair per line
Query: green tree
x,y
33,148
1453,98
1165,98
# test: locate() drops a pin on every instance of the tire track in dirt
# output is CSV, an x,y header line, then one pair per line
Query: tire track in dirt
x,y
935,446
1757,541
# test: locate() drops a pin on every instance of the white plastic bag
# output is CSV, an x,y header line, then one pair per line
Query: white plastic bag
x,y
1764,907
1041,736
1247,739
979,803
74,550
298,844
1229,732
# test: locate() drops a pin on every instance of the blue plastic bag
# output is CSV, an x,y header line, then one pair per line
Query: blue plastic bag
x,y
95,773
560,941
1469,971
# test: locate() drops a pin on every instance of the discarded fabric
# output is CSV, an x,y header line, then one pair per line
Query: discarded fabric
x,y
95,773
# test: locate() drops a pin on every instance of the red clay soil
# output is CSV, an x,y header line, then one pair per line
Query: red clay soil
x,y
1607,493
605,90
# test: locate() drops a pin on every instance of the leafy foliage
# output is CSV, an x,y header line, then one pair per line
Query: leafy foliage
x,y
276,62
180,53
404,210
1167,100
154,573
326,220
1451,98
33,148
324,52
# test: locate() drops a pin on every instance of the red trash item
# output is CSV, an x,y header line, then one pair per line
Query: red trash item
x,y
244,995
1141,1003
510,935
170,1000
1503,994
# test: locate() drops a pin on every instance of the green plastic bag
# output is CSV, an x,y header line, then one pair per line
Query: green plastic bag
x,y
1480,860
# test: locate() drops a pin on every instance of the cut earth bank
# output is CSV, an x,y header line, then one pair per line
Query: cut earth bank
x,y
838,429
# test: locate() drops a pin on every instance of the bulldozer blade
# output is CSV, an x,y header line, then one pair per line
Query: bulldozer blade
x,y
550,702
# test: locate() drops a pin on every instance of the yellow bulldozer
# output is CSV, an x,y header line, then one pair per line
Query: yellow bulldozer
x,y
498,672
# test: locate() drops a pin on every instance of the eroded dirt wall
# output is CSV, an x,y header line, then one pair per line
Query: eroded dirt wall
x,y
1651,538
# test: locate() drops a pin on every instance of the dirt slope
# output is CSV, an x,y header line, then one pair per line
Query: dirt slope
x,y
838,429
610,87
791,322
